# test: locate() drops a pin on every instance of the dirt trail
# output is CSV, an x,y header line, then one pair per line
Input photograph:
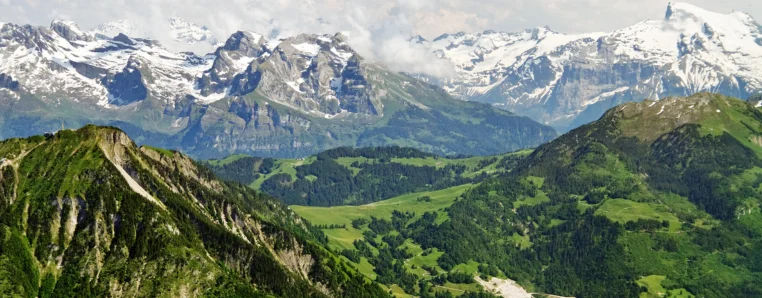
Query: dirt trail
x,y
14,163
507,288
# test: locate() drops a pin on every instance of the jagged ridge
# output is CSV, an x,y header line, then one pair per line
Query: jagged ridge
x,y
88,211
569,80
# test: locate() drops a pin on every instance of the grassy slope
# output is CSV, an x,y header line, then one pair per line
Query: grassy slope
x,y
288,166
340,239
343,215
283,166
645,121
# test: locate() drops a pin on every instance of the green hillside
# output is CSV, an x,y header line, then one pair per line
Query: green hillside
x,y
87,213
655,199
346,176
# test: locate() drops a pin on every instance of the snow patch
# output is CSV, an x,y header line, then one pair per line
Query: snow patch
x,y
308,48
604,96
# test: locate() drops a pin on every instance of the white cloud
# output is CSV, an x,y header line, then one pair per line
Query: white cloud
x,y
378,28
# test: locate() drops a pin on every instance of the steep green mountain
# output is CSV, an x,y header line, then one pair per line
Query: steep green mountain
x,y
655,199
357,176
87,213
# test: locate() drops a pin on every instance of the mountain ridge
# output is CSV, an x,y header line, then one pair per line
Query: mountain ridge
x,y
653,199
104,215
567,80
294,97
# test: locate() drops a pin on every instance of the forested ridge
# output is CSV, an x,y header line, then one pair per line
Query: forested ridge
x,y
635,204
345,175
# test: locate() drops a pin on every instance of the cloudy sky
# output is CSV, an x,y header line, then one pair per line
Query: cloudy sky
x,y
377,27
426,17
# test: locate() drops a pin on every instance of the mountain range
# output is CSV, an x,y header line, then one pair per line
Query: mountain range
x,y
567,80
299,95
295,167
289,97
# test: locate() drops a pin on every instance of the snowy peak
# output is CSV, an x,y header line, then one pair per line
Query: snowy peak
x,y
183,35
311,45
186,32
112,29
569,79
679,11
69,31
245,42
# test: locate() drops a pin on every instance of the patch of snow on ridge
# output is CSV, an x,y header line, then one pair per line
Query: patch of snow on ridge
x,y
308,48
605,95
112,29
183,31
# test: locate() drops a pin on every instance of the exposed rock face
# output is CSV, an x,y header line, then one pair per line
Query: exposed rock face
x,y
7,82
240,50
70,31
127,86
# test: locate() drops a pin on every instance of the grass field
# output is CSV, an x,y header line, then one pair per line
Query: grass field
x,y
656,290
622,211
653,284
226,160
343,215
285,166
162,151
348,161
471,267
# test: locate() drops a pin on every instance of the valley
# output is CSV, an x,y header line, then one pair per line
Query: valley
x,y
173,150
615,208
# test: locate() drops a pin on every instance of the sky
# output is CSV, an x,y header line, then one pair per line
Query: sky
x,y
377,28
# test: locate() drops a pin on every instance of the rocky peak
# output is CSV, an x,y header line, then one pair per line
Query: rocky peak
x,y
7,82
127,86
28,36
244,42
69,31
669,13
121,37
232,59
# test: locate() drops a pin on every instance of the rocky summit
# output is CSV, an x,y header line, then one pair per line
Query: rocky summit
x,y
289,97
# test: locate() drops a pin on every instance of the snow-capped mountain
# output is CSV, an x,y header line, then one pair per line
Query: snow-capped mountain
x,y
185,34
294,96
568,80
115,28
316,73
91,68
